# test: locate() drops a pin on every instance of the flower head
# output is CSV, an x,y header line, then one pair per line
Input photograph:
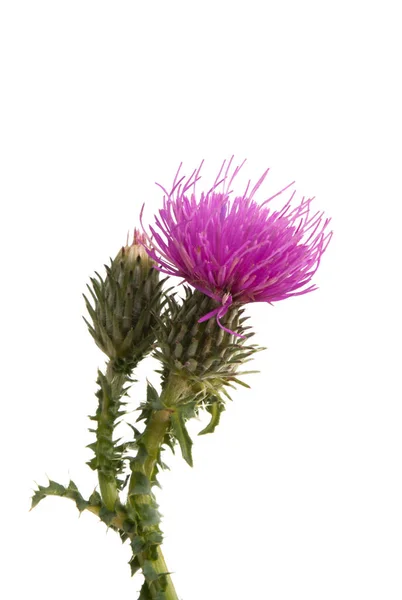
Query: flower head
x,y
126,304
234,249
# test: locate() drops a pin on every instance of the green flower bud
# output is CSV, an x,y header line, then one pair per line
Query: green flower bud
x,y
127,303
203,356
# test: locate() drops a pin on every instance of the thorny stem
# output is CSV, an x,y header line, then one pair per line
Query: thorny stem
x,y
152,440
160,567
108,485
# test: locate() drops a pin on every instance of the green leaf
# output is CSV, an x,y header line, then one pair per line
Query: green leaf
x,y
81,504
128,526
181,433
145,593
239,382
141,457
123,536
36,498
135,431
149,572
148,515
95,499
134,565
216,409
93,463
106,515
152,394
142,484
55,489
155,538
137,544
153,399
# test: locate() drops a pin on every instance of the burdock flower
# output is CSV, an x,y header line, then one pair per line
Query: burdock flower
x,y
233,249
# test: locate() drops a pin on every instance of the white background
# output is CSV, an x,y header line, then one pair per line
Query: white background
x,y
298,493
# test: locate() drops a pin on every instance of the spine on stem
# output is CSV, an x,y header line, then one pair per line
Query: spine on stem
x,y
109,454
142,507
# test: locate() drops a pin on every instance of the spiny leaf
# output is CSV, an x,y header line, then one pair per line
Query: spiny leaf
x,y
137,544
128,526
148,514
155,537
106,515
95,498
136,432
134,565
149,572
36,498
145,593
153,399
53,489
181,433
56,489
240,382
216,409
142,484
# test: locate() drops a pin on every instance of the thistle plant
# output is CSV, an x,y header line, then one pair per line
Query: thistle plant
x,y
230,251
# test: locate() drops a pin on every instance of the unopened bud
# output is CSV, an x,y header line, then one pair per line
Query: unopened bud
x,y
127,304
135,255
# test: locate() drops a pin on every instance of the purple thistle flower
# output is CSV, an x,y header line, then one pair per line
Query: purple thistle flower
x,y
233,249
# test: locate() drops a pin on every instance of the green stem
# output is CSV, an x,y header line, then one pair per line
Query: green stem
x,y
160,567
153,438
151,441
109,403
